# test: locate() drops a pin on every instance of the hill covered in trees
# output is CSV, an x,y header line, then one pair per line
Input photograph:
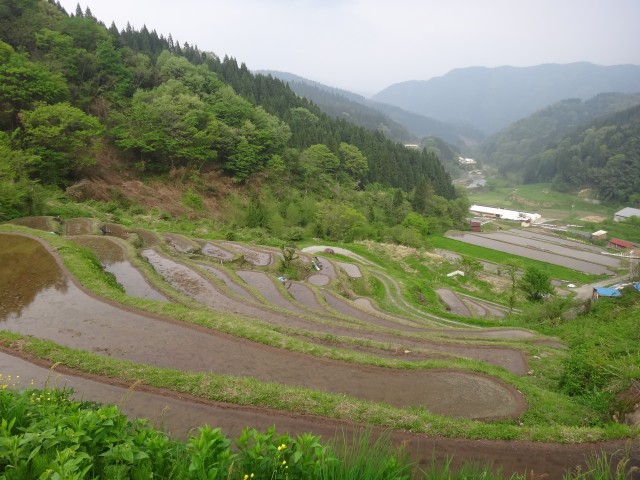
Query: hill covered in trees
x,y
510,149
603,155
74,92
346,105
396,123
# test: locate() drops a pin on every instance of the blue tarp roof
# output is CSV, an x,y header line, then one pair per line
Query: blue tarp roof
x,y
608,292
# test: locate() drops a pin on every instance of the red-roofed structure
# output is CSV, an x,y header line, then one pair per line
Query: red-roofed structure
x,y
620,244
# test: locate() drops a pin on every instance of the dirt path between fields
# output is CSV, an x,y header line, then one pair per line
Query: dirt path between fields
x,y
178,414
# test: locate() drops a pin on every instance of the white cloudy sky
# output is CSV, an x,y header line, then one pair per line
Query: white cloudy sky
x,y
367,45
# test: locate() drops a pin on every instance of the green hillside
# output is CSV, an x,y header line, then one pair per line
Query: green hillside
x,y
511,148
87,111
602,156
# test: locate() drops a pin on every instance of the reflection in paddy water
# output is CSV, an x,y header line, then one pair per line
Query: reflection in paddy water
x,y
26,269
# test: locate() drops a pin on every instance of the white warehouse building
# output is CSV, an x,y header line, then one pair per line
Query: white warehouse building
x,y
504,214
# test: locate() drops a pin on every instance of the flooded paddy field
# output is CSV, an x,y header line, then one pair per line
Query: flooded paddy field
x,y
181,243
318,279
587,262
59,309
262,283
114,260
62,312
211,250
554,238
80,226
254,256
116,230
351,269
305,296
561,248
230,284
148,238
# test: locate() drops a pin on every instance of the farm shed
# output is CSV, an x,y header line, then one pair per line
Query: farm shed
x,y
503,213
605,292
625,214
620,244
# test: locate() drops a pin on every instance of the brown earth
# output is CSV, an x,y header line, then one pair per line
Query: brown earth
x,y
79,226
180,414
46,224
113,179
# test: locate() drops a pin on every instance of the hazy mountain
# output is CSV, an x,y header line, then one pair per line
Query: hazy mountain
x,y
394,122
489,99
510,148
424,127
292,78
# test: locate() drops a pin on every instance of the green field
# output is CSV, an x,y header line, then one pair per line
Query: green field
x,y
557,206
542,199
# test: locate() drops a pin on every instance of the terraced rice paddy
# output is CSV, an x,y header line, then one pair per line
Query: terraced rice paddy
x,y
40,298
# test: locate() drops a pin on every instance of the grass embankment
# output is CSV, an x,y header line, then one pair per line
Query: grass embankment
x,y
551,416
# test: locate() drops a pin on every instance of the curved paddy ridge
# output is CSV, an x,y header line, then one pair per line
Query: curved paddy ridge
x,y
71,317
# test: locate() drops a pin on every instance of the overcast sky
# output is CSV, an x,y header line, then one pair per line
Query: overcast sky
x,y
367,45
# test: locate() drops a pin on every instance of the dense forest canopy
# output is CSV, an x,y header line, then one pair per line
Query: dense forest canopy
x,y
510,148
604,156
70,88
576,144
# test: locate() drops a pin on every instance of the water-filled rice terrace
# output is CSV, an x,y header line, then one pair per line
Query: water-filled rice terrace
x,y
325,342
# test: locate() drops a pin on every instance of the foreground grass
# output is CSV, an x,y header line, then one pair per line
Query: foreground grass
x,y
46,435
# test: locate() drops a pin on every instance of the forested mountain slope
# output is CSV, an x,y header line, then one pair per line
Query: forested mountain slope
x,y
345,105
510,148
394,122
73,92
604,155
489,99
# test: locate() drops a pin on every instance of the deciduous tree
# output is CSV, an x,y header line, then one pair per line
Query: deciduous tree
x,y
62,138
536,284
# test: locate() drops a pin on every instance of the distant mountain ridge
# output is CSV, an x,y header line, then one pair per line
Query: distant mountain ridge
x,y
489,99
396,123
